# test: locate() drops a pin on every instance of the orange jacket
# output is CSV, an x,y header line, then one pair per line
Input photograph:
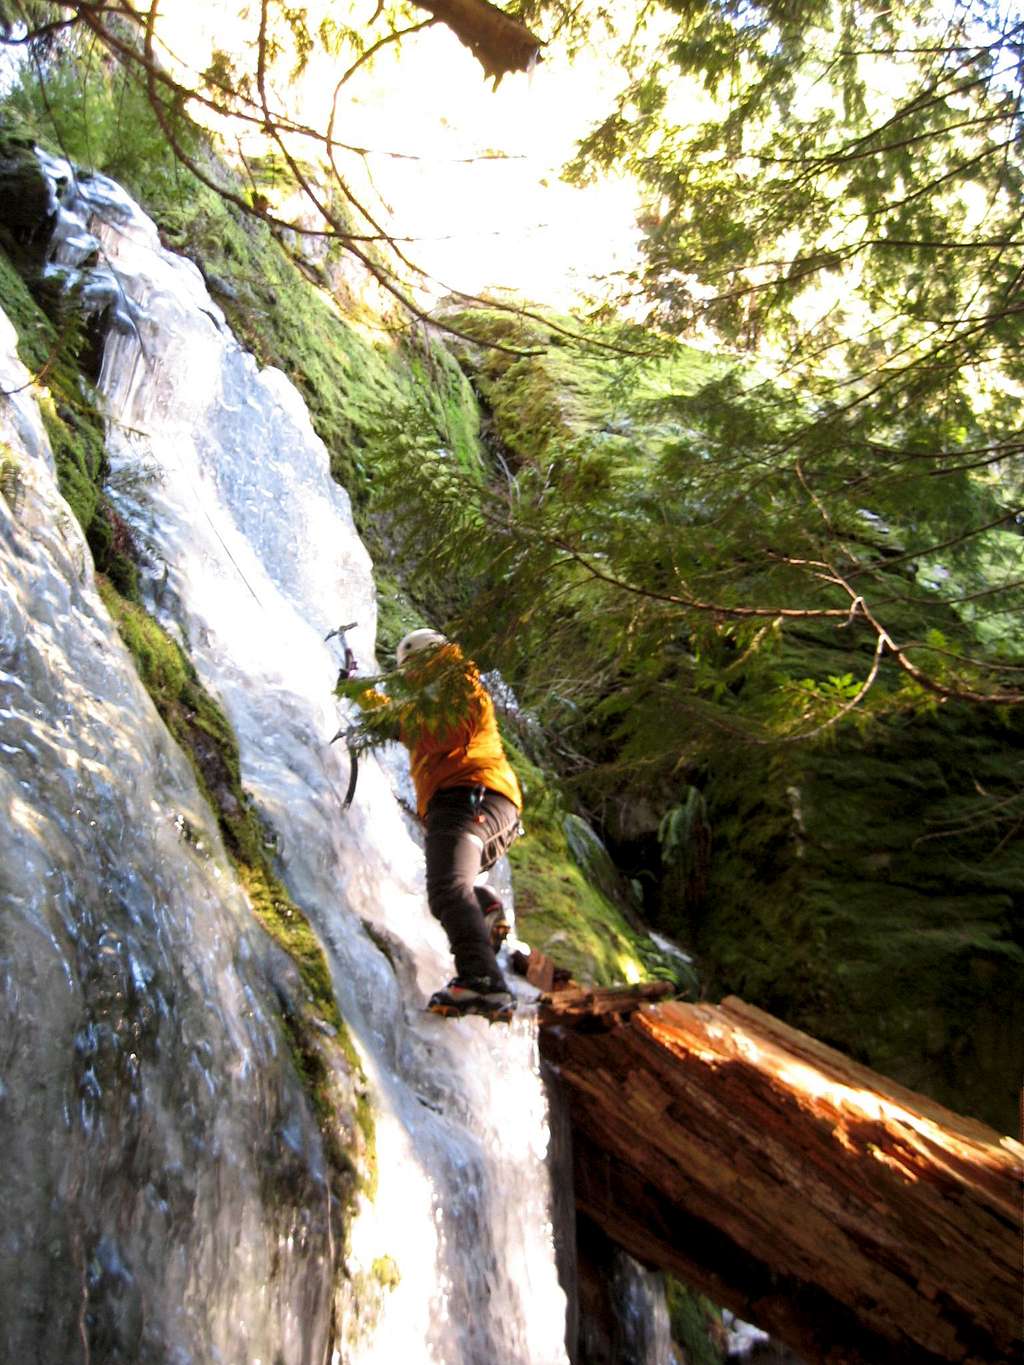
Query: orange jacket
x,y
467,754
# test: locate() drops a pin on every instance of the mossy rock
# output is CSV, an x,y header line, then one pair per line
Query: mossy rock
x,y
49,348
696,1325
860,891
569,386
315,1032
560,911
396,616
26,215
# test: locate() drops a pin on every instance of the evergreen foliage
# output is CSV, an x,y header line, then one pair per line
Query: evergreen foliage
x,y
812,842
643,571
874,152
849,209
838,154
696,1324
92,113
571,905
425,700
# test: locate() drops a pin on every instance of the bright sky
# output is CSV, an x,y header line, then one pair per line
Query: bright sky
x,y
484,223
512,222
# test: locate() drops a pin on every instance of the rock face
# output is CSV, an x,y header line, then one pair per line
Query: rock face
x,y
872,894
853,1219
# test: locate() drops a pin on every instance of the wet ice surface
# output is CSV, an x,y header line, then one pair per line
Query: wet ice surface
x,y
143,1100
671,949
643,1312
254,558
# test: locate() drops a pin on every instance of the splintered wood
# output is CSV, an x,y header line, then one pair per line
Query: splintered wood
x,y
851,1218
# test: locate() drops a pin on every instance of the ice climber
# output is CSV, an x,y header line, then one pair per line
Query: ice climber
x,y
469,801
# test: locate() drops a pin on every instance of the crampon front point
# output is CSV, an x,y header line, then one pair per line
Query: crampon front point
x,y
495,1014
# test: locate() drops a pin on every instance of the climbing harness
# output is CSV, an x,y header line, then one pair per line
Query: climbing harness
x,y
495,845
347,670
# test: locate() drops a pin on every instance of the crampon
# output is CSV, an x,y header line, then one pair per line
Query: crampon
x,y
491,999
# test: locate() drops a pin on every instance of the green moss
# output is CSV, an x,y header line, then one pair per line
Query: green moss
x,y
50,332
696,1325
37,336
113,549
396,616
49,350
386,1272
285,923
538,401
862,892
76,438
562,913
205,735
50,341
194,719
448,397
12,478
288,926
543,403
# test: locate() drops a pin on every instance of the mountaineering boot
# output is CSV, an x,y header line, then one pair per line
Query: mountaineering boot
x,y
484,995
494,916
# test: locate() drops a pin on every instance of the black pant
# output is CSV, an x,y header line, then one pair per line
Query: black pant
x,y
468,829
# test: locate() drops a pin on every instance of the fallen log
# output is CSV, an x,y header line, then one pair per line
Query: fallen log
x,y
563,998
851,1218
598,1008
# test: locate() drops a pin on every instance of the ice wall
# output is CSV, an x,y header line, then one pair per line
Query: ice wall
x,y
144,1099
145,1096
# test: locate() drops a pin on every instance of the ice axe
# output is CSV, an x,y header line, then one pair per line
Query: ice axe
x,y
347,670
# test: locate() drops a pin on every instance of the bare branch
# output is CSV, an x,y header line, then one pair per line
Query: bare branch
x,y
693,603
949,544
396,35
931,684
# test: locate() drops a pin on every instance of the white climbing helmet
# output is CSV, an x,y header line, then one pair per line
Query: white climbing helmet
x,y
417,642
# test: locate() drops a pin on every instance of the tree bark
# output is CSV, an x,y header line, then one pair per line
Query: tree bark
x,y
849,1217
499,43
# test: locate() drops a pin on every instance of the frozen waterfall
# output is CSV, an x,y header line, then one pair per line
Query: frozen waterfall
x,y
148,1106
